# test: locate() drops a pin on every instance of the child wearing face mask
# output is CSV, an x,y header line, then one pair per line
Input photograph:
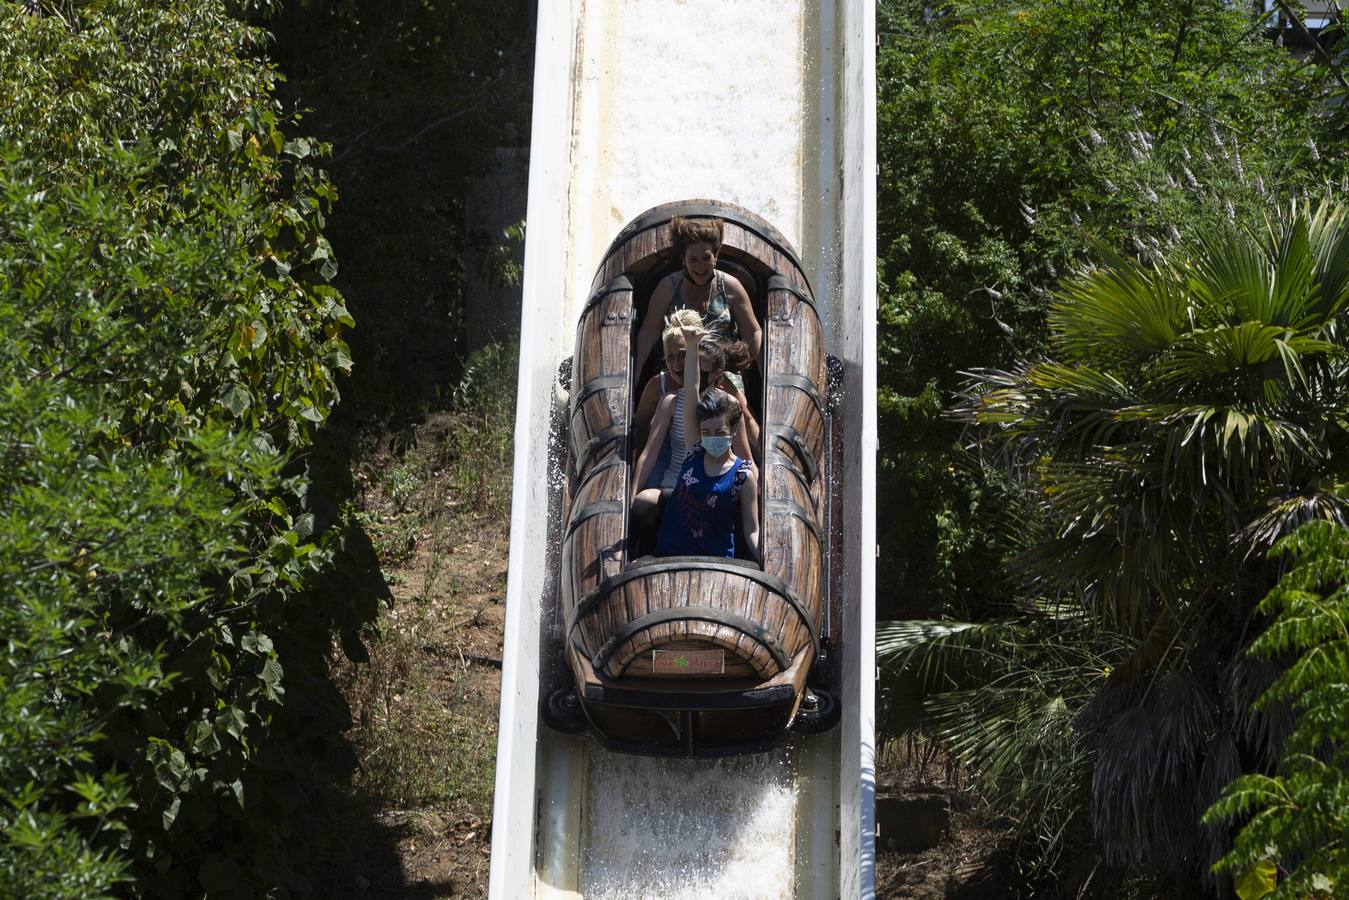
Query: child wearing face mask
x,y
712,486
716,492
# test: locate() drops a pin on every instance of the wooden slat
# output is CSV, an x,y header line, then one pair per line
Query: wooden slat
x,y
667,590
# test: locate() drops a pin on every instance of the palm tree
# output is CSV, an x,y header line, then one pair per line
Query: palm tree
x,y
1194,412
1191,418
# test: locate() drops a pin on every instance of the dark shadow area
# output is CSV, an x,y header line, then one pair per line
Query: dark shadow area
x,y
426,106
354,853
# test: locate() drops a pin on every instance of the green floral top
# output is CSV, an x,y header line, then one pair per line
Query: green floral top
x,y
717,317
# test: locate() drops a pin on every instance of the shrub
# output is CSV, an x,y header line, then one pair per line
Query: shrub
x,y
169,348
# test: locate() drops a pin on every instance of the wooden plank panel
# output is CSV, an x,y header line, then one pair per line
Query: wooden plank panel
x,y
585,559
778,620
758,602
658,588
635,592
604,615
610,545
696,630
653,584
679,588
775,610
700,586
727,596
591,637
745,647
781,620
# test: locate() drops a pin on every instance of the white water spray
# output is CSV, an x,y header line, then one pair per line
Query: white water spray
x,y
689,828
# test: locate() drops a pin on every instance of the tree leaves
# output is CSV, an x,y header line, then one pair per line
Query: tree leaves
x,y
1197,419
1193,419
1291,824
1256,882
236,398
1013,145
165,360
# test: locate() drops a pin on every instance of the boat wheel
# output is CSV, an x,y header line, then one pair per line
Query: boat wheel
x,y
562,711
819,711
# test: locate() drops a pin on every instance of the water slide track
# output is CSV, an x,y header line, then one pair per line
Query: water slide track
x,y
770,105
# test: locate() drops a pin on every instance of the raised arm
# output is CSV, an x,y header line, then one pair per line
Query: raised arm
x,y
748,423
693,432
749,513
745,320
649,331
660,426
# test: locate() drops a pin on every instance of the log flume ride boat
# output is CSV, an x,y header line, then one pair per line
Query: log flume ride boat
x,y
697,656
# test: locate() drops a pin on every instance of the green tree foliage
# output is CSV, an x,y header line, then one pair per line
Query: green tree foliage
x,y
169,346
1010,136
1193,412
1298,816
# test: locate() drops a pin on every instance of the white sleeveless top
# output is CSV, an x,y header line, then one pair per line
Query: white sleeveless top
x,y
675,439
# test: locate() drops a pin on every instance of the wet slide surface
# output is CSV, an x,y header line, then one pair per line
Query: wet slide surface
x,y
768,105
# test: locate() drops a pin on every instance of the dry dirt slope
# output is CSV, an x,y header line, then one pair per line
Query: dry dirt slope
x,y
435,501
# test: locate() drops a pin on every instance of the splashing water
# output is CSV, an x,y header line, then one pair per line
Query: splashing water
x,y
673,828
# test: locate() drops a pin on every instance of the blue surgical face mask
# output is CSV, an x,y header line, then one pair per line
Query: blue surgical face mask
x,y
716,444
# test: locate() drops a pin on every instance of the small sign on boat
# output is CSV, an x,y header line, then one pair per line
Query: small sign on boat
x,y
688,662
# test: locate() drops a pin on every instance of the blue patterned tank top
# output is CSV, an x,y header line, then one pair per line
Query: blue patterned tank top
x,y
700,516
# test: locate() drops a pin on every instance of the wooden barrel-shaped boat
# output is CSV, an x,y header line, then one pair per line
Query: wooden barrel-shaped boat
x,y
696,655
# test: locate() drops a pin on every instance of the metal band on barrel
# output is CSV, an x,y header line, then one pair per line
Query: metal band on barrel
x,y
695,613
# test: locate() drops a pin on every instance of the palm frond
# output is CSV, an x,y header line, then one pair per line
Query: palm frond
x,y
1293,295
1196,359
1146,783
1283,513
1328,237
1184,719
934,650
1121,312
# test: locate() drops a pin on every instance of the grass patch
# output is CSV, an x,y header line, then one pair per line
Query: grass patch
x,y
422,743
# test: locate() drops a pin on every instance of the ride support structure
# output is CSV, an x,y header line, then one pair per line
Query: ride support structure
x,y
768,105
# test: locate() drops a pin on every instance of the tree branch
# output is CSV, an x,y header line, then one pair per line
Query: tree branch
x,y
1320,51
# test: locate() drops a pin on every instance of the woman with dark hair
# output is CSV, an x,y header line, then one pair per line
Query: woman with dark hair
x,y
720,299
716,490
